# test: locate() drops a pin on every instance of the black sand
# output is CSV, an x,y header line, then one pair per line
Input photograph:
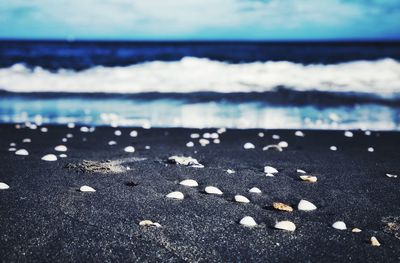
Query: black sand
x,y
44,218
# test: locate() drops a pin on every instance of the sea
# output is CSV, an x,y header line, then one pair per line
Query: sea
x,y
202,84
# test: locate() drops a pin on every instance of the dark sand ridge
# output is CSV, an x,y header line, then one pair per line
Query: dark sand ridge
x,y
44,218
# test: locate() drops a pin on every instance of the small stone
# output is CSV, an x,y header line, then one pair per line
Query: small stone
x,y
375,242
391,175
129,149
282,207
286,225
248,221
305,205
189,183
333,148
49,158
356,230
270,170
309,178
22,152
339,225
255,190
249,145
299,134
133,133
3,186
241,199
189,144
283,144
371,149
60,148
301,171
348,134
175,195
213,190
230,171
86,188
272,147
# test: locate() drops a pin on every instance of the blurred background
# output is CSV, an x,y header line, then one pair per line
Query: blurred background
x,y
330,64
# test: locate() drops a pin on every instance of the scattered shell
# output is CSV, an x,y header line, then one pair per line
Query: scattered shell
x,y
391,175
64,140
375,242
261,134
368,133
149,223
112,143
49,158
248,221
301,171
203,142
305,205
339,225
255,190
26,140
129,149
147,147
62,155
13,144
194,135
84,129
71,125
249,145
189,144
348,134
133,133
282,207
3,186
216,141
333,148
214,135
221,130
22,152
283,144
371,149
213,190
86,188
117,133
12,149
230,171
189,182
276,137
269,175
176,195
241,199
308,178
60,148
69,135
188,161
270,170
44,129
285,225
299,134
272,146
356,230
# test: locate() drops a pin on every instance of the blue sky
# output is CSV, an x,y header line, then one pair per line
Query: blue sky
x,y
200,19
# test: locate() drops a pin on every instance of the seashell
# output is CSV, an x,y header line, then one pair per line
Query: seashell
x,y
133,133
255,190
84,129
129,149
286,225
248,221
308,178
63,155
375,242
339,225
3,186
269,175
49,158
305,205
214,135
249,145
26,140
371,149
117,133
189,182
260,134
230,171
44,129
189,144
60,148
175,195
368,133
221,130
149,223
216,141
112,143
22,152
299,134
276,137
282,207
12,149
86,188
391,175
270,170
272,146
283,144
348,134
194,135
203,142
241,199
188,161
356,230
213,190
333,148
301,171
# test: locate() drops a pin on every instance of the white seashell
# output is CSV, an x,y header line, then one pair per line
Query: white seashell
x,y
309,178
368,133
49,158
194,135
156,224
84,129
117,133
241,199
175,195
270,170
283,144
348,134
13,144
149,223
333,148
221,130
64,140
391,175
63,155
299,134
216,141
213,190
276,137
214,135
22,152
12,149
69,135
255,190
249,145
60,148
305,205
248,221
188,161
261,134
286,225
371,149
339,225
26,140
269,175
301,171
3,186
375,242
230,171
189,144
189,182
272,146
44,129
129,149
207,135
112,143
86,188
203,142
147,147
71,125
133,134
356,230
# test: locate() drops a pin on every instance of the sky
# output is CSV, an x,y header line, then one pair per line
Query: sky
x,y
200,19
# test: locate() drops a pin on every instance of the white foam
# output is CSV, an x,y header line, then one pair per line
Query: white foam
x,y
199,74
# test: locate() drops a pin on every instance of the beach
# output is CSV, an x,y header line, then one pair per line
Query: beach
x,y
45,217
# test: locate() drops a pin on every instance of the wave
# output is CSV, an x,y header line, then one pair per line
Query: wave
x,y
190,74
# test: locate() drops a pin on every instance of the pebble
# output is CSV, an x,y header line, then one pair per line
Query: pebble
x,y
305,205
149,223
249,145
333,148
69,135
241,199
60,148
309,178
49,158
189,182
64,140
339,225
299,134
375,242
286,225
282,207
147,147
348,134
248,221
391,175
371,149
175,195
3,186
22,152
86,188
270,170
356,230
189,144
283,144
133,134
129,149
255,190
213,190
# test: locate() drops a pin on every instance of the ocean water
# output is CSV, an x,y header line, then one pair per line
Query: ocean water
x,y
299,85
